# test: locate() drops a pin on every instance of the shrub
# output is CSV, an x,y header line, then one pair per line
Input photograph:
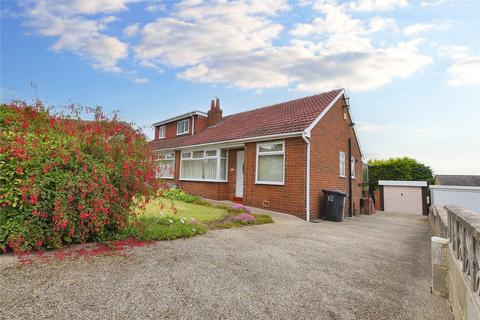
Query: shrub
x,y
244,218
180,195
398,169
64,180
239,208
150,228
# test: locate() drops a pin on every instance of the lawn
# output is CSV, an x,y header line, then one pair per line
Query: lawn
x,y
182,215
184,210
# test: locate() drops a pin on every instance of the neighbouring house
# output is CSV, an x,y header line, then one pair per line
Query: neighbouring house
x,y
278,157
457,180
459,190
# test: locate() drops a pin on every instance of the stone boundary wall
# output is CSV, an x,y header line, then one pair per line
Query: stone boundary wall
x,y
437,217
456,259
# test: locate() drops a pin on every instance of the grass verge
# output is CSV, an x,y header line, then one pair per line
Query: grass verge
x,y
149,228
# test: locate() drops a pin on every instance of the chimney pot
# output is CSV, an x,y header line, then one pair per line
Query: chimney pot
x,y
215,113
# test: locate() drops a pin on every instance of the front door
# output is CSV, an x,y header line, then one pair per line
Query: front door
x,y
239,182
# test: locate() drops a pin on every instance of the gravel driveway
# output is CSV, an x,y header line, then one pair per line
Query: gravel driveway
x,y
369,267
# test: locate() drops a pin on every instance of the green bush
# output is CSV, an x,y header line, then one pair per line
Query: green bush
x,y
180,195
64,180
148,228
407,169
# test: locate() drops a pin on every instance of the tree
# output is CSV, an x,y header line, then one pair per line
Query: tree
x,y
405,168
65,180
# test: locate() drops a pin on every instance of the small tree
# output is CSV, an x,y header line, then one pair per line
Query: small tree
x,y
64,180
407,169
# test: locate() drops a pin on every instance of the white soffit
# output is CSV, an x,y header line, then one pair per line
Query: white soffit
x,y
402,183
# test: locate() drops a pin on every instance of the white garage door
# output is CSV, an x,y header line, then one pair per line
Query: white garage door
x,y
403,199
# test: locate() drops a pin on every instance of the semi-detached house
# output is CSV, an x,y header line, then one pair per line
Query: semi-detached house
x,y
278,157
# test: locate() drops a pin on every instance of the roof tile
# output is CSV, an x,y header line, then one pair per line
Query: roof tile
x,y
286,117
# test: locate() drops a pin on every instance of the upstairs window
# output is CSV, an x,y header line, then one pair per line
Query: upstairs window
x,y
342,164
182,126
270,163
161,132
165,165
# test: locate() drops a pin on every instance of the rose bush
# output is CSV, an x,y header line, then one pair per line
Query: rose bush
x,y
64,180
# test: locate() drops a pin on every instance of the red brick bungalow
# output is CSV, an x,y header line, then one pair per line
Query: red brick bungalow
x,y
278,157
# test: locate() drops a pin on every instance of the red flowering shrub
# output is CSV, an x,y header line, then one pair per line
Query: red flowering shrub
x,y
64,180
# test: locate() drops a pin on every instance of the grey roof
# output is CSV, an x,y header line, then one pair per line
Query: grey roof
x,y
458,180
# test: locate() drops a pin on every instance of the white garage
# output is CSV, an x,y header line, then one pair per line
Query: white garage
x,y
403,196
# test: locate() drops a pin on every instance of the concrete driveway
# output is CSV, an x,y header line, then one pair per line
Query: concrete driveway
x,y
369,267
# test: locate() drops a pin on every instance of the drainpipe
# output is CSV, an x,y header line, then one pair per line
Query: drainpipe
x,y
193,124
307,189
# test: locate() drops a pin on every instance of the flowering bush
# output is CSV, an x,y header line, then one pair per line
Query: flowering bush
x,y
244,218
64,180
241,208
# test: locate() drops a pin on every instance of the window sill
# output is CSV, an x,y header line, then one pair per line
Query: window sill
x,y
345,177
182,134
270,183
169,178
202,180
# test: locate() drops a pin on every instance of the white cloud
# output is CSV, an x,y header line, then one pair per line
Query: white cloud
x,y
141,80
371,128
156,6
465,71
131,30
297,65
376,5
417,28
432,3
77,34
199,32
72,7
314,65
454,52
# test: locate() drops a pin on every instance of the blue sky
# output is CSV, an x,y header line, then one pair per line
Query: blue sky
x,y
411,68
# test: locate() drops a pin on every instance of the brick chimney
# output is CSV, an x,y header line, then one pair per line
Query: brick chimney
x,y
214,114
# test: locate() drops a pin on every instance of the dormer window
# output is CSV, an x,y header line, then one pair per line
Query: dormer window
x,y
161,132
182,126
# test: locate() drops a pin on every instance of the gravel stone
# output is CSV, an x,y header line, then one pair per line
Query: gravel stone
x,y
368,267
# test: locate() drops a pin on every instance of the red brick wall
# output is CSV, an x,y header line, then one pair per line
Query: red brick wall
x,y
171,127
328,138
200,124
288,198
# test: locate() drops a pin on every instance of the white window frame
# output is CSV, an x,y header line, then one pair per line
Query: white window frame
x,y
341,164
187,126
161,132
166,156
270,153
352,164
188,155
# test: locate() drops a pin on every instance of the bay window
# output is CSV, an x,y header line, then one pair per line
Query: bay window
x,y
270,163
165,165
204,165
